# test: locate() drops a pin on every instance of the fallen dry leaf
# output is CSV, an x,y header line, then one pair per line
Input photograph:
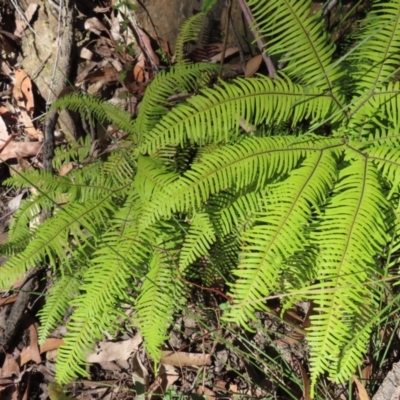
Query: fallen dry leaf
x,y
305,379
33,343
94,25
205,392
110,351
50,344
253,65
166,377
8,300
22,91
10,367
181,358
144,38
23,149
229,51
362,393
66,169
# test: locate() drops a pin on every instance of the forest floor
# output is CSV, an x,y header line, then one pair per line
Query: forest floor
x,y
113,58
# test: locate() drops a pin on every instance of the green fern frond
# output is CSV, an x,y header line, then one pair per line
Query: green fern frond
x,y
82,334
89,106
160,296
198,240
279,232
228,210
75,152
216,113
52,236
252,162
302,41
152,177
189,32
377,57
345,264
180,79
387,161
58,300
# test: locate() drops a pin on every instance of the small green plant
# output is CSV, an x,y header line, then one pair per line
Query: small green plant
x,y
311,215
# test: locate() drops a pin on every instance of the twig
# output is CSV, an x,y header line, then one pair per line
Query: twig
x,y
260,42
329,7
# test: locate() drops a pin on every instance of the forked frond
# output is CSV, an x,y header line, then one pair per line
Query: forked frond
x,y
253,161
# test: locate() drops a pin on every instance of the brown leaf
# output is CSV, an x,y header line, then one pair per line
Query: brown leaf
x,y
8,300
22,91
148,47
362,393
66,169
181,358
305,379
33,344
23,149
253,65
229,51
110,351
95,26
29,128
10,367
166,377
28,354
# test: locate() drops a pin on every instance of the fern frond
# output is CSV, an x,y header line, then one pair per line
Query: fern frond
x,y
387,161
89,106
377,56
228,211
152,177
76,152
198,240
347,261
52,236
189,32
279,232
303,40
160,296
82,334
180,79
251,162
116,261
213,115
58,300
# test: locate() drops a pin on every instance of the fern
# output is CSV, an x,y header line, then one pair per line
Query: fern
x,y
189,32
306,205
